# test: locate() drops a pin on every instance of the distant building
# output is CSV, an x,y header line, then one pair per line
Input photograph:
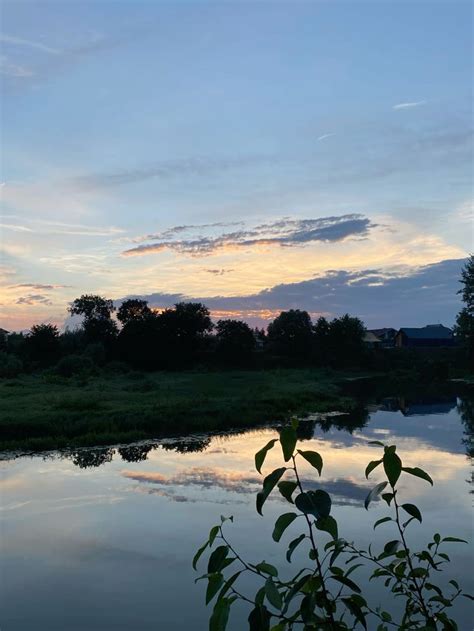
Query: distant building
x,y
3,332
427,337
371,340
386,336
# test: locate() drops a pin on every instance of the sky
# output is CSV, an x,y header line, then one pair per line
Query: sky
x,y
255,156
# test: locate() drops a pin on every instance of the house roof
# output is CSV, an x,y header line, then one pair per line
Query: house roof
x,y
371,337
429,332
3,332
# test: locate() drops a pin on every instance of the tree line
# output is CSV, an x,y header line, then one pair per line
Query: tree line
x,y
185,336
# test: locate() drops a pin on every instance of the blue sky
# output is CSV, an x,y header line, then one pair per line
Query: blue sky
x,y
227,149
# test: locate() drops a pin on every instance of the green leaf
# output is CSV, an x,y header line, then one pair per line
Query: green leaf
x,y
259,619
217,559
267,568
268,485
281,626
376,442
282,524
413,511
293,545
287,488
215,582
419,473
392,466
313,458
388,497
317,503
381,521
213,534
220,615
347,582
272,594
391,547
288,440
371,466
262,454
198,554
228,584
355,610
353,568
327,524
375,492
454,540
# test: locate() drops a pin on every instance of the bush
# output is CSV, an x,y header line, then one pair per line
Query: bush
x,y
10,366
74,365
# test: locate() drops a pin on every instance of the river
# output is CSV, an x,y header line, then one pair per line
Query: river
x,y
102,539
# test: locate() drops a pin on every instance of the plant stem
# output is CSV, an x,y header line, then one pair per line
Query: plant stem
x,y
315,551
424,608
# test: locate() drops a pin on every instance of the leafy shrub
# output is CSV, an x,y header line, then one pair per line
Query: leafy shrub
x,y
74,365
324,595
10,366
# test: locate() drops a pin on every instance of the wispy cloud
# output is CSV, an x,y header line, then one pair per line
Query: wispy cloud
x,y
15,227
33,300
324,136
20,41
285,232
37,286
41,226
218,272
9,69
189,167
406,105
175,230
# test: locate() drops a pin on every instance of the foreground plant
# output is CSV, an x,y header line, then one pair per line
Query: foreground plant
x,y
323,595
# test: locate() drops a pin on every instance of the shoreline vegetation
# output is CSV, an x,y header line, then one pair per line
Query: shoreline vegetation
x,y
39,412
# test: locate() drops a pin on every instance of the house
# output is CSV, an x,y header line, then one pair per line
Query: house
x,y
386,336
426,337
371,340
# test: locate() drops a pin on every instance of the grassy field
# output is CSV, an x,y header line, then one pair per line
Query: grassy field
x,y
40,412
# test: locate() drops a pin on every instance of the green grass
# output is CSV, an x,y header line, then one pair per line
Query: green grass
x,y
40,412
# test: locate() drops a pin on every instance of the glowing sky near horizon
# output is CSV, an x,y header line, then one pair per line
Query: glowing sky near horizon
x,y
236,152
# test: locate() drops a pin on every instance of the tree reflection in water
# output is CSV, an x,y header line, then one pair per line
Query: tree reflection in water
x,y
355,420
85,458
136,453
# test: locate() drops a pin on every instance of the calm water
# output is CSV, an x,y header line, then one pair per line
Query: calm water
x,y
102,540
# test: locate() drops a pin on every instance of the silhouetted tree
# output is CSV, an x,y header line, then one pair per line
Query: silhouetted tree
x,y
235,342
346,341
3,340
140,342
42,344
133,310
97,312
291,334
182,331
321,340
464,328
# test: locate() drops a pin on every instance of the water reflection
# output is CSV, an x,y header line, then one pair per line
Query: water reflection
x,y
119,525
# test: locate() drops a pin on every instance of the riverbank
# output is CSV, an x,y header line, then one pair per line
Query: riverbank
x,y
38,412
